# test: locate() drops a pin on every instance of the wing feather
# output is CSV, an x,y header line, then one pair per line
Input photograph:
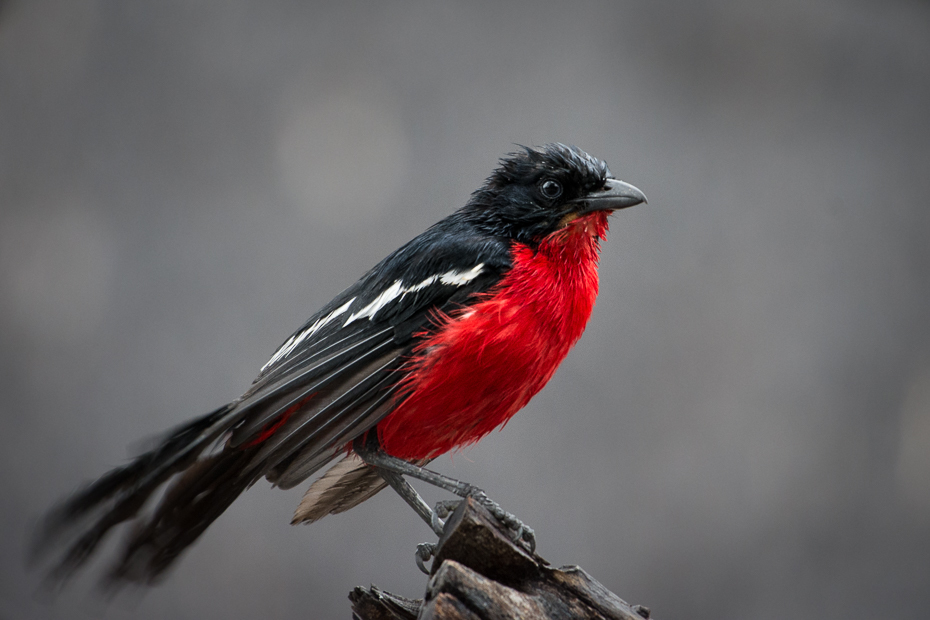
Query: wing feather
x,y
327,411
317,374
327,441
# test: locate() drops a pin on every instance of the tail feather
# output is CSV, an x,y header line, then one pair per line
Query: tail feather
x,y
86,518
192,502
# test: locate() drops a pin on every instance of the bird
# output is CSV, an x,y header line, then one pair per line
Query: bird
x,y
439,344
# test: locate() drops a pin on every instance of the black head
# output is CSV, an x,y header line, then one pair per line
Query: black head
x,y
536,191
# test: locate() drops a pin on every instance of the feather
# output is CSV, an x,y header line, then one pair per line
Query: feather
x,y
345,485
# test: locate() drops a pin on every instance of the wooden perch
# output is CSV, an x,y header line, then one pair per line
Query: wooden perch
x,y
480,574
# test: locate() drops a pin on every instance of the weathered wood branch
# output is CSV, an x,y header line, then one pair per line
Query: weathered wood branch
x,y
480,574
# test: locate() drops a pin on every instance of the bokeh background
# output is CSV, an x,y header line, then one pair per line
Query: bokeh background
x,y
744,430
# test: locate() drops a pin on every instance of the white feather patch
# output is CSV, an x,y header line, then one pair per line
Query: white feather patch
x,y
458,278
398,290
393,292
285,349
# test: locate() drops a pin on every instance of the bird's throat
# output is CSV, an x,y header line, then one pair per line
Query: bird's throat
x,y
579,239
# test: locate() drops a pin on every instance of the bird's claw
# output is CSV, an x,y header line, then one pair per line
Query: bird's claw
x,y
441,512
528,536
522,533
446,507
436,523
424,552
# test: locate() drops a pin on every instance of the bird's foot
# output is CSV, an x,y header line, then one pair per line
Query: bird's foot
x,y
424,552
441,512
520,532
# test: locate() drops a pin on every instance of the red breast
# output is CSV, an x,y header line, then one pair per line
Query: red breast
x,y
485,363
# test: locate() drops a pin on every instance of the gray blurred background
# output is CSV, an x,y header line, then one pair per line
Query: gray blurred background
x,y
744,430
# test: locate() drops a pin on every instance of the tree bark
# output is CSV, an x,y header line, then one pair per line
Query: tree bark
x,y
479,573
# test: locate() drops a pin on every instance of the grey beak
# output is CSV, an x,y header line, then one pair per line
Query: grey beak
x,y
615,195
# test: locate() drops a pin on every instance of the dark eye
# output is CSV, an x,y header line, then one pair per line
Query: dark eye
x,y
550,188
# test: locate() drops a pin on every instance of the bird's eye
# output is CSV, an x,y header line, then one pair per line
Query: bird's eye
x,y
550,188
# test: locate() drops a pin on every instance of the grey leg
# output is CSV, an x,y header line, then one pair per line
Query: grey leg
x,y
385,463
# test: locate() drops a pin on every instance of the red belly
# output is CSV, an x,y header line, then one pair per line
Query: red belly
x,y
485,363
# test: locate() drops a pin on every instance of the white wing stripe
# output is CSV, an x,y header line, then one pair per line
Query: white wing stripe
x,y
296,339
395,291
458,278
398,290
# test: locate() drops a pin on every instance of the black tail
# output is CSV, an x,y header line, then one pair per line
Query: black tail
x,y
192,501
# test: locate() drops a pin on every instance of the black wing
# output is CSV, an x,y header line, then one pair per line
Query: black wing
x,y
335,377
332,380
